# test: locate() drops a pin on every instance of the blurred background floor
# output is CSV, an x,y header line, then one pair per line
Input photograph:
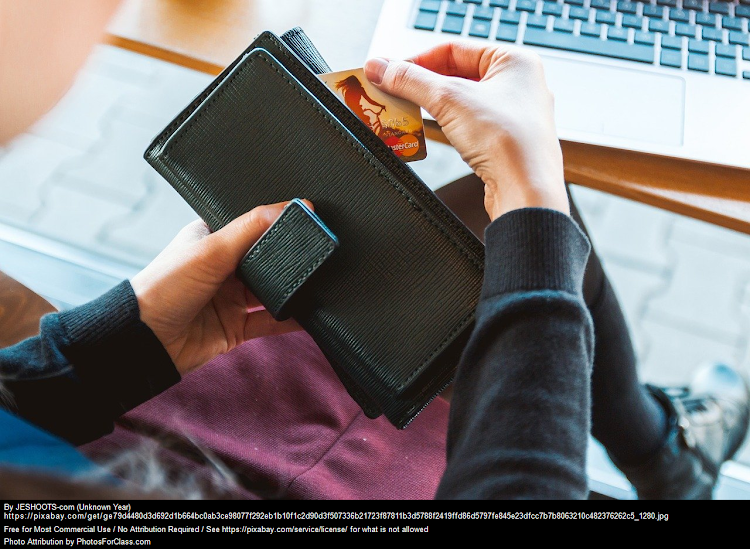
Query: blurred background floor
x,y
78,179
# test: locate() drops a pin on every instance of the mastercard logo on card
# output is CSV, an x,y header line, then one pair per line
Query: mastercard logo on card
x,y
396,121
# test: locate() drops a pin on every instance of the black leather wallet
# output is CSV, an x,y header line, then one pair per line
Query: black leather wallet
x,y
383,276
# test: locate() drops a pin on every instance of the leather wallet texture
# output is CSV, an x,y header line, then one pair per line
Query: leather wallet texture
x,y
392,305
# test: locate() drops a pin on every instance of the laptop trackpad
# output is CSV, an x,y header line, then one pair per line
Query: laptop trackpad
x,y
628,103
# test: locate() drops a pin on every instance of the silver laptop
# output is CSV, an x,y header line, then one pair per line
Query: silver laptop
x,y
668,77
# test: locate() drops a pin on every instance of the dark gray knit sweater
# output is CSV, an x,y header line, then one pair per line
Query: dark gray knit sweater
x,y
519,418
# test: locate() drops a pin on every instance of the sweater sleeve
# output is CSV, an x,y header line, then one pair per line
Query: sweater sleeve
x,y
519,418
88,366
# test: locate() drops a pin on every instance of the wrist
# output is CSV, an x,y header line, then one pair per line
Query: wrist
x,y
515,195
514,182
141,295
147,311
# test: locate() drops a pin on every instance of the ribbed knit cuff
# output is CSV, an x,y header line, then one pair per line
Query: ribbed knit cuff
x,y
534,249
114,353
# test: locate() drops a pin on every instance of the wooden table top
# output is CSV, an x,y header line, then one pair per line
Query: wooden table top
x,y
206,35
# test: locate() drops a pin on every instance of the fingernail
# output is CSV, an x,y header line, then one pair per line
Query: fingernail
x,y
375,69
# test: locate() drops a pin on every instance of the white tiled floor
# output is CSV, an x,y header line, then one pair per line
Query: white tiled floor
x,y
79,177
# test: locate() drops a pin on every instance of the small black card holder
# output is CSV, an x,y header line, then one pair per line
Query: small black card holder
x,y
382,275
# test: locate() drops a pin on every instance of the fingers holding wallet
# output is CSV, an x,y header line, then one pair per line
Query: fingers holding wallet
x,y
191,299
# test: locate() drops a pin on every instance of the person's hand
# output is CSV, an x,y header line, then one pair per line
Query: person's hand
x,y
192,301
494,107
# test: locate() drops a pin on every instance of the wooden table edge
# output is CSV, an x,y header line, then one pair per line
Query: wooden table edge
x,y
716,194
158,52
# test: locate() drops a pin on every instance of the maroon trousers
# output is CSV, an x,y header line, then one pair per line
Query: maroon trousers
x,y
274,413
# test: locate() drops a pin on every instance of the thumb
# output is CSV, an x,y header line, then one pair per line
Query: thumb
x,y
228,245
408,80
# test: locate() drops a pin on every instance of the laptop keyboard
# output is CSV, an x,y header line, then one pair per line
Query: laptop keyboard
x,y
695,35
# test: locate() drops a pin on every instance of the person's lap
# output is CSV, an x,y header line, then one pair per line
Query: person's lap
x,y
274,412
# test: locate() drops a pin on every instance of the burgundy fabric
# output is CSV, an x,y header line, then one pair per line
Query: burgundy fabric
x,y
275,413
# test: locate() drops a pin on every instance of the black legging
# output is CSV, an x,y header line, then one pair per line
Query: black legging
x,y
625,417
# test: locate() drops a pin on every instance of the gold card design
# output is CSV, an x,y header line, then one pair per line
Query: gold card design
x,y
396,121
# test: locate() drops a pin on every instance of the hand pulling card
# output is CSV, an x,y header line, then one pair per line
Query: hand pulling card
x,y
396,121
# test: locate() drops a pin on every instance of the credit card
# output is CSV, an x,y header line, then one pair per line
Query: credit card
x,y
396,121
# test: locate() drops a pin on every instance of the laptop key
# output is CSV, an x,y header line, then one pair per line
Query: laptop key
x,y
710,33
726,50
456,9
632,21
507,32
483,12
746,75
683,29
719,7
601,4
698,62
708,19
472,1
643,37
623,6
653,11
591,29
537,21
578,13
679,15
586,44
479,28
692,5
742,11
671,42
746,54
453,24
739,38
430,5
526,5
563,25
500,3
669,3
511,17
617,33
732,23
426,20
574,2
552,8
671,58
698,46
726,67
658,25
607,17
